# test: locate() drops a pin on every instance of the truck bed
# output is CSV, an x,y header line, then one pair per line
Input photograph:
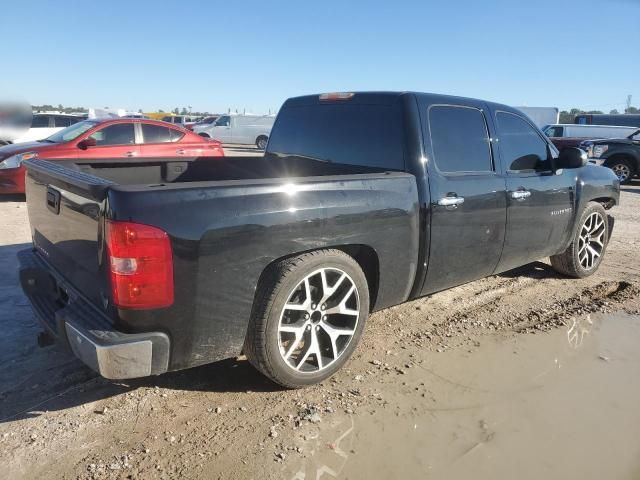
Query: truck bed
x,y
227,220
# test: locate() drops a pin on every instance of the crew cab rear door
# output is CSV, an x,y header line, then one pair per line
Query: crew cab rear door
x,y
539,200
468,200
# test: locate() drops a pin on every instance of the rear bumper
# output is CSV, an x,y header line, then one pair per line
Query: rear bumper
x,y
88,333
12,180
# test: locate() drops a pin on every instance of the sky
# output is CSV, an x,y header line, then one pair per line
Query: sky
x,y
252,55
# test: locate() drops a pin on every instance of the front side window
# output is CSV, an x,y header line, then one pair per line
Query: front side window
x,y
460,139
223,121
553,132
156,134
521,146
119,134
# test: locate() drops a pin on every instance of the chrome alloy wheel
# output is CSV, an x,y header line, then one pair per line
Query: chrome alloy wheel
x,y
318,320
622,171
591,240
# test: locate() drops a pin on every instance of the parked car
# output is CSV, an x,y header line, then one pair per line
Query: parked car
x,y
622,155
362,201
181,120
240,129
620,119
44,125
113,139
571,135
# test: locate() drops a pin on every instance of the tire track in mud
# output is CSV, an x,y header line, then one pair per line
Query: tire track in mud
x,y
603,297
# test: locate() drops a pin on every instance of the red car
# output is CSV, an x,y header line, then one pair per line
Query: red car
x,y
113,138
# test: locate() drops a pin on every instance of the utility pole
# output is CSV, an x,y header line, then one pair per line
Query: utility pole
x,y
628,102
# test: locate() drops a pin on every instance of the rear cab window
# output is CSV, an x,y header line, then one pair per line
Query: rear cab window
x,y
342,132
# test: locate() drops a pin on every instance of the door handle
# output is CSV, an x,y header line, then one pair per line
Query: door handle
x,y
520,194
130,154
180,151
452,202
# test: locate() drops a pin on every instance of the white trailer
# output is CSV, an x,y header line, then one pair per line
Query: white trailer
x,y
542,116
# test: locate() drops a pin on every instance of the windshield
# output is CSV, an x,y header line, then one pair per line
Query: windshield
x,y
635,135
72,132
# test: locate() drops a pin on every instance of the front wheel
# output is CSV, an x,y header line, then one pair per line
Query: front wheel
x,y
261,142
205,135
623,169
583,257
308,317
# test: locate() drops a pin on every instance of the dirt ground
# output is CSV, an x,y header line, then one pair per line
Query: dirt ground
x,y
521,375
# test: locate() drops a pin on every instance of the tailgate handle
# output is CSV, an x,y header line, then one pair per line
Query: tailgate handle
x,y
53,200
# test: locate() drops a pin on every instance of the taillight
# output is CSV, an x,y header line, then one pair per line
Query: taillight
x,y
141,265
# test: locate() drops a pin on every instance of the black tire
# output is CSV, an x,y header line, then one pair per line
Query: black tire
x,y
262,343
571,261
261,142
623,168
205,135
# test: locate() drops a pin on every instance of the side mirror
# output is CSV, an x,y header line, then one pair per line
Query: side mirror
x,y
86,143
571,157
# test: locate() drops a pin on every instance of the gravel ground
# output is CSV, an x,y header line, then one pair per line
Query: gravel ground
x,y
58,420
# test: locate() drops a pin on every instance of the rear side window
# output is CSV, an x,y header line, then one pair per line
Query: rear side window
x,y
521,146
346,133
40,121
119,134
63,121
156,134
460,139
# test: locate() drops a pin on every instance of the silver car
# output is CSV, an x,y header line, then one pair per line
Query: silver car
x,y
239,129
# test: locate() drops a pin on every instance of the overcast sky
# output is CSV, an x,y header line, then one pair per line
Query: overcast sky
x,y
253,55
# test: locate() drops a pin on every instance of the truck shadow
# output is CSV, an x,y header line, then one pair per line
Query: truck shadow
x,y
536,270
34,380
13,197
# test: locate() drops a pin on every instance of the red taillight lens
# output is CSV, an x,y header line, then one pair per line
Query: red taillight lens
x,y
141,265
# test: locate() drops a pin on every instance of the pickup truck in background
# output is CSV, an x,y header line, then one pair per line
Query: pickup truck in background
x,y
571,135
361,202
622,155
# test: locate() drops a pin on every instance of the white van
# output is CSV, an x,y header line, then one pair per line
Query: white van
x,y
239,129
587,131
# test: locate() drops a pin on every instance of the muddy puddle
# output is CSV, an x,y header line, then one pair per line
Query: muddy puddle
x,y
559,405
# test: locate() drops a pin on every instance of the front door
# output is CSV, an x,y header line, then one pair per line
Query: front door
x,y
221,130
117,141
540,200
468,200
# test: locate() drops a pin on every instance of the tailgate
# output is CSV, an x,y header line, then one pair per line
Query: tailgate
x,y
65,211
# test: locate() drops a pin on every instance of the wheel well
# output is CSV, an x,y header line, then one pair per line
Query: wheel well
x,y
364,255
622,156
266,137
606,202
205,135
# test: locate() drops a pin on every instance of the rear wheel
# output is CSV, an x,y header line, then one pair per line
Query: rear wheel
x,y
261,142
583,257
308,317
623,169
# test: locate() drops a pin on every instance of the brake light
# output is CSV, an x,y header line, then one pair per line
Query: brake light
x,y
336,96
141,265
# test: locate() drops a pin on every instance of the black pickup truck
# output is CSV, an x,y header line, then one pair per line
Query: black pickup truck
x,y
362,201
622,155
